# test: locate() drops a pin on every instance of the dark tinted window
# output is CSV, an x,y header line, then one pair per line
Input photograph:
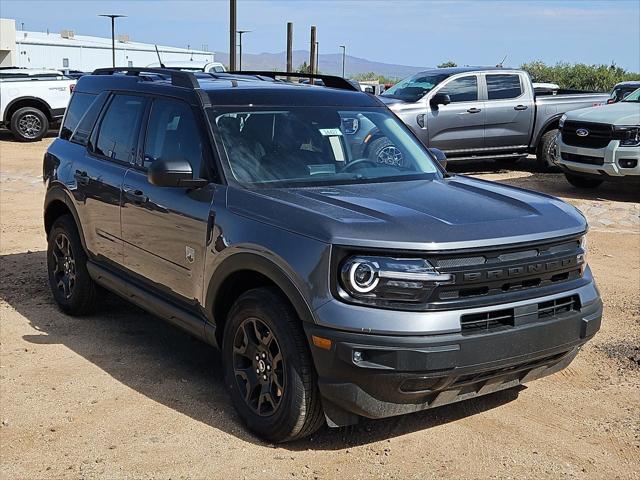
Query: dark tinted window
x,y
77,107
173,133
84,128
463,89
413,88
500,87
119,128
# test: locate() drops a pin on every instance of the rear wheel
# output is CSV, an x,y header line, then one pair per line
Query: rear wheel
x,y
582,182
547,151
268,368
69,280
28,124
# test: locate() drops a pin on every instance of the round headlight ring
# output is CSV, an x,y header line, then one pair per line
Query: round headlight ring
x,y
363,277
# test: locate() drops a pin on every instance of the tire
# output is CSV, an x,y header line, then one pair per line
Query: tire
x,y
73,289
547,150
583,182
28,124
293,408
382,150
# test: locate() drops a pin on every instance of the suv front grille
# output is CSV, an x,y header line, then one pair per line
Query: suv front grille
x,y
500,319
598,134
587,159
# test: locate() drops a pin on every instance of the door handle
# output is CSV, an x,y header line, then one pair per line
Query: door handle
x,y
137,196
520,107
81,177
474,110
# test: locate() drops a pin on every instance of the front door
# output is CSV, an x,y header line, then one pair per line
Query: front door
x,y
457,128
165,228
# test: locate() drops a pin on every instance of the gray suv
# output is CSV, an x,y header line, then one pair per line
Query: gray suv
x,y
240,208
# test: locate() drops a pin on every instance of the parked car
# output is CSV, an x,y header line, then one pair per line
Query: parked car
x,y
31,100
476,112
601,144
621,90
337,287
192,66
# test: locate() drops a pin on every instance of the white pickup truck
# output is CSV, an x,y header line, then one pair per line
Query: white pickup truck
x,y
31,100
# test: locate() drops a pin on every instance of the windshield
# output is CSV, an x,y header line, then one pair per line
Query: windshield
x,y
313,146
633,97
412,89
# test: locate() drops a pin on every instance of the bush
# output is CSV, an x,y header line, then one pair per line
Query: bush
x,y
579,76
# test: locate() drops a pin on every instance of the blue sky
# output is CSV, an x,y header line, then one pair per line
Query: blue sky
x,y
420,33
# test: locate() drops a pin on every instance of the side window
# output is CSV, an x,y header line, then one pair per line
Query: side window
x,y
79,104
83,131
463,89
118,135
173,132
503,86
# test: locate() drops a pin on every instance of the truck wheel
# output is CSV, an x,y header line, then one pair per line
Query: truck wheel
x,y
384,151
268,368
547,151
28,124
583,182
72,287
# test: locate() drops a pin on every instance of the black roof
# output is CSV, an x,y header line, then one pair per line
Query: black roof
x,y
226,89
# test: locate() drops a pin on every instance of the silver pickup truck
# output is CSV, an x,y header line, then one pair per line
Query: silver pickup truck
x,y
471,112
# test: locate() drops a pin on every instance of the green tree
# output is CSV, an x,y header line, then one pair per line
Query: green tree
x,y
448,64
304,68
579,76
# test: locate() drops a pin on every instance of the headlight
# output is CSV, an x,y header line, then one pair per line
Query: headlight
x,y
562,119
629,136
350,125
582,256
386,279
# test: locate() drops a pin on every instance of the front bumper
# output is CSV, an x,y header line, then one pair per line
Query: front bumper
x,y
611,156
394,374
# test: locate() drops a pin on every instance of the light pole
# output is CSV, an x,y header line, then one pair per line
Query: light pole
x,y
317,57
240,32
113,36
344,54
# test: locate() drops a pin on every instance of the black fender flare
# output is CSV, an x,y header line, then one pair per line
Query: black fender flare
x,y
544,128
57,193
7,109
259,263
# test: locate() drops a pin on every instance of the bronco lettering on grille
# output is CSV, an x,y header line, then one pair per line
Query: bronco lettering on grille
x,y
517,271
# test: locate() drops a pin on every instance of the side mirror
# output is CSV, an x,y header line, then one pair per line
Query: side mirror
x,y
440,99
173,173
440,157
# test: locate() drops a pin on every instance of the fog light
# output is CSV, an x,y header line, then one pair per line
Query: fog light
x,y
628,162
357,356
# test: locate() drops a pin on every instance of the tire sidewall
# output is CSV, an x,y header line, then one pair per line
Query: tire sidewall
x,y
544,153
285,417
18,114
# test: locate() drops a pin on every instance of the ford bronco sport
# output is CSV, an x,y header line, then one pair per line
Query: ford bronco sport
x,y
240,207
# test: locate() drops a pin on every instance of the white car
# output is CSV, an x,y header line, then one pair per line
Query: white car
x,y
192,66
31,100
601,143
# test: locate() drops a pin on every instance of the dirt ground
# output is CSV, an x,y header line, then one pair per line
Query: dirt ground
x,y
121,394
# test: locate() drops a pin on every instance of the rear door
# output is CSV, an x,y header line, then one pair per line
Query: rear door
x,y
458,128
510,111
165,228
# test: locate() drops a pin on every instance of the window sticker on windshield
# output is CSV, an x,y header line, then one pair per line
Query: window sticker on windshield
x,y
330,132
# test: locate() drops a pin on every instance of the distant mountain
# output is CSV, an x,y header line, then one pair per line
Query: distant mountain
x,y
330,63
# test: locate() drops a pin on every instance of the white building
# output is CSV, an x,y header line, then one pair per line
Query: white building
x,y
81,52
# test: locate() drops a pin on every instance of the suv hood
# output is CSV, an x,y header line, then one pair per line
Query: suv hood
x,y
621,113
452,213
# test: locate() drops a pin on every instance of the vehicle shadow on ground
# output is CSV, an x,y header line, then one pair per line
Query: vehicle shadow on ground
x,y
552,183
170,367
7,136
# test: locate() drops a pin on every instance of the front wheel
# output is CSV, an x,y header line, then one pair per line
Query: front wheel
x,y
268,368
547,151
582,182
28,124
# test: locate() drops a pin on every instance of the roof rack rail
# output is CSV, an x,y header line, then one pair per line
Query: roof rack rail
x,y
179,78
331,81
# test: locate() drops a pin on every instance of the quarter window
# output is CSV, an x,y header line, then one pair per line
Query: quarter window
x,y
463,89
173,133
118,135
77,107
501,87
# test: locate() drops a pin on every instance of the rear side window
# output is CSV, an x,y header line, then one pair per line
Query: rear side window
x,y
502,86
77,107
83,131
173,133
118,135
463,89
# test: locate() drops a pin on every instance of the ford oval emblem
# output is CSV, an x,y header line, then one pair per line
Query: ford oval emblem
x,y
582,132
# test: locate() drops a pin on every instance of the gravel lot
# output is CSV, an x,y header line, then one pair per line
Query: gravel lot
x,y
121,394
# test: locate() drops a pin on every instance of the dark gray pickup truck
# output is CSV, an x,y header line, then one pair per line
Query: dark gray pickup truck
x,y
471,112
